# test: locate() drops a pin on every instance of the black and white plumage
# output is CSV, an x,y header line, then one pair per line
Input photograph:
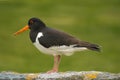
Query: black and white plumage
x,y
54,42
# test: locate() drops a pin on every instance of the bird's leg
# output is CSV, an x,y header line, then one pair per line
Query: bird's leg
x,y
56,64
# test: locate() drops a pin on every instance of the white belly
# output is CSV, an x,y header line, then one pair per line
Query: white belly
x,y
43,49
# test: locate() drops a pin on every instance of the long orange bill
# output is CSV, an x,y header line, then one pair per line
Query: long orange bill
x,y
22,30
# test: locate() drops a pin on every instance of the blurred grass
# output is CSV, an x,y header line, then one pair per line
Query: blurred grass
x,y
96,21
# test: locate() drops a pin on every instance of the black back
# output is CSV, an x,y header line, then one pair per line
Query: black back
x,y
52,37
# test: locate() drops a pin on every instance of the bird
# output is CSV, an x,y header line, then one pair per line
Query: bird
x,y
54,42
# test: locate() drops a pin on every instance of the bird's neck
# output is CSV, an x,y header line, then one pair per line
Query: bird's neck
x,y
33,35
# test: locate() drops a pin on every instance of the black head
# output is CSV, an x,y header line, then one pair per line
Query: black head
x,y
35,24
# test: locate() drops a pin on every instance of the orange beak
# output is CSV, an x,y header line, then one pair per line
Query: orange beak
x,y
22,30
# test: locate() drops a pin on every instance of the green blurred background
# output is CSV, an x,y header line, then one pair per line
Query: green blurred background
x,y
96,21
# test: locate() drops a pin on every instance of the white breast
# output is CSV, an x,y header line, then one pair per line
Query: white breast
x,y
57,50
42,48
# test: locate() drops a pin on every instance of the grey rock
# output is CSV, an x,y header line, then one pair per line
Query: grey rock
x,y
70,75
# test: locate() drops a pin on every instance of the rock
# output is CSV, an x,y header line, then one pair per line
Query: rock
x,y
70,75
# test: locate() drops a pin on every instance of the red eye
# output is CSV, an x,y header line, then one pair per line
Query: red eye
x,y
31,21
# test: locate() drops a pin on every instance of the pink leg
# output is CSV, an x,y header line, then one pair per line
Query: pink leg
x,y
56,64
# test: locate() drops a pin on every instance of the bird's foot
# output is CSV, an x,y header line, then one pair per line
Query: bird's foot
x,y
52,71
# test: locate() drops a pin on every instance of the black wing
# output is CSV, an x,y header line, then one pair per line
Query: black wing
x,y
52,37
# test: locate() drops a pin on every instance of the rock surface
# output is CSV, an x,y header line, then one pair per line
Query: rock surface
x,y
70,75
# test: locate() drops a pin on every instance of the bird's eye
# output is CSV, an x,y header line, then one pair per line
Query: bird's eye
x,y
31,22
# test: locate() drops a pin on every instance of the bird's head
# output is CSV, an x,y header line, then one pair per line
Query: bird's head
x,y
33,24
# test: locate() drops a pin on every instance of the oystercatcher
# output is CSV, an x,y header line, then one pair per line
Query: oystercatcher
x,y
54,42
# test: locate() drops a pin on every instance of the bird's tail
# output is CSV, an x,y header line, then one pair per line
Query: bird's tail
x,y
89,46
94,47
